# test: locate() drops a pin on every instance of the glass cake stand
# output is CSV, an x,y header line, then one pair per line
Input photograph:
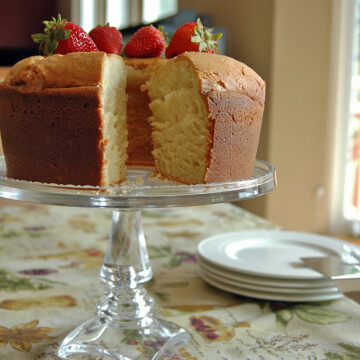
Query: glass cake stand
x,y
127,315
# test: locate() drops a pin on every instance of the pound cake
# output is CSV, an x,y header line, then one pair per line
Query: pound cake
x,y
63,118
81,114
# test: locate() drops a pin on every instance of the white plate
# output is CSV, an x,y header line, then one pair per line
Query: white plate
x,y
270,296
279,284
266,281
270,253
268,289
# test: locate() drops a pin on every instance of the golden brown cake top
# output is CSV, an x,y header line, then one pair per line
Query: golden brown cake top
x,y
223,73
58,71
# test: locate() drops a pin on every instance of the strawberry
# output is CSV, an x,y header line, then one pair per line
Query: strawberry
x,y
62,37
107,38
192,36
146,42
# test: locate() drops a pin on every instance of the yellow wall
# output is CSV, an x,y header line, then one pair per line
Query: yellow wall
x,y
288,43
298,111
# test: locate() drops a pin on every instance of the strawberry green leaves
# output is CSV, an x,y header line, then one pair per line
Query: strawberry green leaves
x,y
205,37
53,32
62,37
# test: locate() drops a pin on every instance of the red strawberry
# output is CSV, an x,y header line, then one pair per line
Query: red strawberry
x,y
107,38
62,37
146,42
192,36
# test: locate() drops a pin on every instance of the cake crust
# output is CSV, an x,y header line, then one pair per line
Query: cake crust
x,y
236,125
57,71
222,73
44,145
235,97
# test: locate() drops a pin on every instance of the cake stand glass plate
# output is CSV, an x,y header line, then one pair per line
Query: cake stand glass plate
x,y
141,190
128,311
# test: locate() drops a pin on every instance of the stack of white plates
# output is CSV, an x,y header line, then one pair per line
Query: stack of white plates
x,y
266,264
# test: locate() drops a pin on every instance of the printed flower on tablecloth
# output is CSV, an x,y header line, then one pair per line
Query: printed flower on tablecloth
x,y
352,354
75,254
176,259
148,348
82,224
186,309
182,257
91,258
41,271
156,252
314,313
32,231
212,329
35,302
9,218
21,336
9,233
279,345
11,282
36,231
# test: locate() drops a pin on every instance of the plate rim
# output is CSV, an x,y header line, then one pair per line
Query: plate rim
x,y
269,289
323,282
268,296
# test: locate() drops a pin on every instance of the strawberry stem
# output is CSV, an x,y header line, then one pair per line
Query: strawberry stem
x,y
205,38
163,33
53,32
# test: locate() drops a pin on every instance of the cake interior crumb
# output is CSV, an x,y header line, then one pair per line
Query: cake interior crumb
x,y
114,121
179,122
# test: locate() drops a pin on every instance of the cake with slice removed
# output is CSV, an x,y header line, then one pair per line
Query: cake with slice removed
x,y
64,118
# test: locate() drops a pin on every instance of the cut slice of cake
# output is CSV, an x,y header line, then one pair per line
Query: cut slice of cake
x,y
63,119
207,115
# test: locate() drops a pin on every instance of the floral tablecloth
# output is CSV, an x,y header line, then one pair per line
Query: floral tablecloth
x,y
50,259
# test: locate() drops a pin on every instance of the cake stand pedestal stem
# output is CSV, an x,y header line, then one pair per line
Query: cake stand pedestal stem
x,y
125,327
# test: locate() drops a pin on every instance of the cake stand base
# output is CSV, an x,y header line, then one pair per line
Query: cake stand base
x,y
96,337
125,327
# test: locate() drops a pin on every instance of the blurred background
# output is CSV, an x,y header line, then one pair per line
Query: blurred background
x,y
307,52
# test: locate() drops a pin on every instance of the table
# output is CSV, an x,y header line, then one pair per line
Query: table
x,y
50,259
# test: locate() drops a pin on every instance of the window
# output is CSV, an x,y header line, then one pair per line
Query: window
x,y
152,10
345,111
120,13
352,171
117,13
